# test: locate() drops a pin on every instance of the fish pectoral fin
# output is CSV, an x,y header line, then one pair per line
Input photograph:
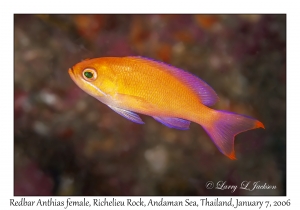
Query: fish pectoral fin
x,y
173,122
133,101
128,114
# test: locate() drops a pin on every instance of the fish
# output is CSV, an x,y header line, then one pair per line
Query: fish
x,y
135,85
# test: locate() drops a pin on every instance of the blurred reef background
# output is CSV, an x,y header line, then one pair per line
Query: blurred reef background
x,y
68,143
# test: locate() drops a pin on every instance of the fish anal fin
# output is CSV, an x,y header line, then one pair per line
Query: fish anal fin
x,y
128,114
173,122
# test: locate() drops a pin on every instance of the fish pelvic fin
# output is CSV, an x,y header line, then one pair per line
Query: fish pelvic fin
x,y
225,126
127,114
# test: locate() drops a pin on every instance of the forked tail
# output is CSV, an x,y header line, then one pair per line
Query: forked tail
x,y
225,126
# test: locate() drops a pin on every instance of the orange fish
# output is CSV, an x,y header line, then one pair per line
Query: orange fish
x,y
130,85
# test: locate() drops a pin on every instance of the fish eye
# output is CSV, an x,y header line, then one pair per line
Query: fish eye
x,y
89,74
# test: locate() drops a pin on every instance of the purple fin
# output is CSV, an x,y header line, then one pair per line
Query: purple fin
x,y
226,126
173,122
128,114
206,94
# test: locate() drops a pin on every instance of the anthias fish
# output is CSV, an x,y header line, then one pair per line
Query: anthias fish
x,y
174,97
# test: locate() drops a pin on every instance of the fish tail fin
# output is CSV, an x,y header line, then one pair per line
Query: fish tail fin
x,y
225,126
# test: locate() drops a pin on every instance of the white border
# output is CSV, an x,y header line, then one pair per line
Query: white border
x,y
6,86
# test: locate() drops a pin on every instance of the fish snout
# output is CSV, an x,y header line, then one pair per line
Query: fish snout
x,y
71,73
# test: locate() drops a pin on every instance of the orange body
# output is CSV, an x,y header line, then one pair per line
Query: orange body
x,y
132,85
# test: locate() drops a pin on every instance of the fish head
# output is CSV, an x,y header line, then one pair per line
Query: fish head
x,y
93,76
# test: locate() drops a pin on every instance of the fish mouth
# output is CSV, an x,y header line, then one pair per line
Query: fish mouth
x,y
71,73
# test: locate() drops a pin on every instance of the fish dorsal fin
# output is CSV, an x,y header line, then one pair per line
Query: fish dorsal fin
x,y
206,94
